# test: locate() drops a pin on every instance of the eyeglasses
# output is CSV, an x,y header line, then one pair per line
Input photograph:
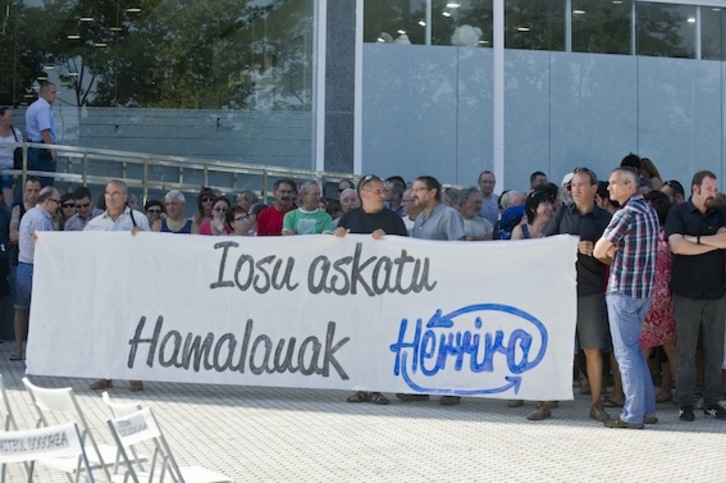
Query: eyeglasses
x,y
56,201
155,211
206,199
242,217
220,209
69,205
84,205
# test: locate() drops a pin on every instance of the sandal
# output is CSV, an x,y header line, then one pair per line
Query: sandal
x,y
378,398
360,396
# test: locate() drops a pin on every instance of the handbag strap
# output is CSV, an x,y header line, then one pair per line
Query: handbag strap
x,y
12,128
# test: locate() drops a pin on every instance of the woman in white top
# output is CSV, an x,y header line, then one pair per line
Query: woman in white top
x,y
8,137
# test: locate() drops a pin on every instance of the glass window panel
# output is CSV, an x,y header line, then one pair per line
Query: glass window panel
x,y
712,33
388,21
168,53
666,30
600,26
534,24
462,22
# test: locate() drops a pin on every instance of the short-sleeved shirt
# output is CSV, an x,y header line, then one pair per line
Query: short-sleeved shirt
x,y
358,221
696,276
633,230
591,272
478,227
125,222
444,223
39,117
303,222
269,221
490,209
36,219
76,223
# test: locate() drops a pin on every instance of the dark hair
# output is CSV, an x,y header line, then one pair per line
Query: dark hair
x,y
66,197
534,175
397,178
534,199
205,192
700,176
397,187
257,208
432,184
82,192
232,213
34,179
550,189
631,161
676,186
286,181
5,108
587,171
151,203
346,180
332,207
660,203
221,198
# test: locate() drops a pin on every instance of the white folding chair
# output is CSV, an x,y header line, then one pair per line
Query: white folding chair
x,y
119,410
141,429
60,404
41,444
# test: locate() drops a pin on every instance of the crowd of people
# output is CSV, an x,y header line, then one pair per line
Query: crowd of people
x,y
650,266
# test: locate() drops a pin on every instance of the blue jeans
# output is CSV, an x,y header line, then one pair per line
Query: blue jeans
x,y
626,319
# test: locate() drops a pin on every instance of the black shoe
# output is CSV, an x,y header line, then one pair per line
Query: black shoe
x,y
652,419
686,413
618,423
715,411
412,397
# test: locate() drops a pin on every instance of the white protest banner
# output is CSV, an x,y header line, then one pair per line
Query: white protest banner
x,y
494,319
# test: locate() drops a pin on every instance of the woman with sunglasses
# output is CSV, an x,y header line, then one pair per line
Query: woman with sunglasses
x,y
218,225
66,210
204,206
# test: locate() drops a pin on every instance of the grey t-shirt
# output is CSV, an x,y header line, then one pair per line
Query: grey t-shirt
x,y
444,223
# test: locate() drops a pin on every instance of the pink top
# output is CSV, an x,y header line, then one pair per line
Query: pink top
x,y
206,229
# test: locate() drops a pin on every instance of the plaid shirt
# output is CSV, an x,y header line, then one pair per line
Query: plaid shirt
x,y
634,231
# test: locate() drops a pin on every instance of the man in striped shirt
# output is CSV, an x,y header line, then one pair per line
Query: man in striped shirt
x,y
630,242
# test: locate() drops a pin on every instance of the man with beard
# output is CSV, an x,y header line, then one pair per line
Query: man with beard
x,y
694,231
269,221
374,218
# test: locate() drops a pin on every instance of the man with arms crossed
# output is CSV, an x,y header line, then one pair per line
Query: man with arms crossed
x,y
630,241
694,233
374,218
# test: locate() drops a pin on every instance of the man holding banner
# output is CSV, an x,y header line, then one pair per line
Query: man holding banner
x,y
630,241
371,218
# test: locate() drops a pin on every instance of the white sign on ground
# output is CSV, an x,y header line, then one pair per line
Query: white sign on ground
x,y
493,319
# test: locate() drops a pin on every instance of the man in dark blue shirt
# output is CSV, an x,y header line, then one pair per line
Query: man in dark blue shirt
x,y
697,281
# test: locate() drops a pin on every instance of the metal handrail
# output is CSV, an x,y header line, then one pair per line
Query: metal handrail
x,y
75,162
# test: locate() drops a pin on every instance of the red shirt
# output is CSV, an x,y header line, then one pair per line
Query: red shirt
x,y
269,221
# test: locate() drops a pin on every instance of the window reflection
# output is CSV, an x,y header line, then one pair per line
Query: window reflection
x,y
601,27
712,33
167,53
534,24
665,30
459,23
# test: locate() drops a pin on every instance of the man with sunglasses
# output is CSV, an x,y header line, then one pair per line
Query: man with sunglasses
x,y
85,211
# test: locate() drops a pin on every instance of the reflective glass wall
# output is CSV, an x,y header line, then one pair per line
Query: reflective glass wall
x,y
222,79
586,82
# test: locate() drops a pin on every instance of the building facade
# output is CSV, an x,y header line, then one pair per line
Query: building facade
x,y
405,87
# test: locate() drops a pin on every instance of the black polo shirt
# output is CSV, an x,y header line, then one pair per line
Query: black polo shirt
x,y
591,272
696,276
358,221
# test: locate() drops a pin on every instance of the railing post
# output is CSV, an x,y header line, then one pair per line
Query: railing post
x,y
264,186
145,183
84,169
